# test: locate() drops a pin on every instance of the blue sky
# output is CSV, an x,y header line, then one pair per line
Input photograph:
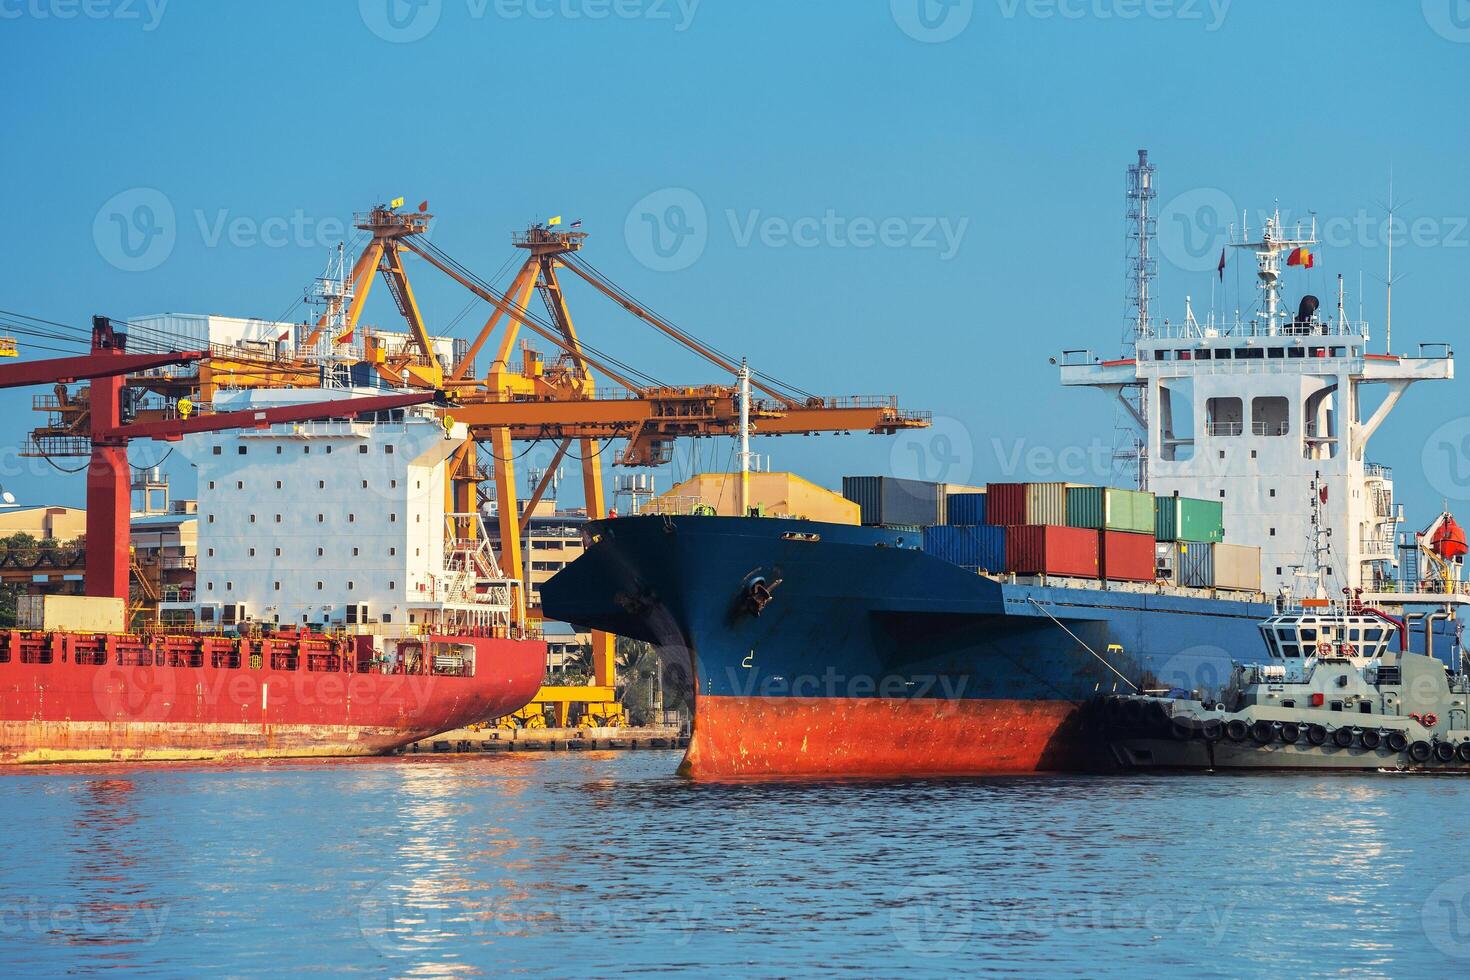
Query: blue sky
x,y
863,197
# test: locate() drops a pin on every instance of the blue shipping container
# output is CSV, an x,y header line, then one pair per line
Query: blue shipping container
x,y
981,548
965,509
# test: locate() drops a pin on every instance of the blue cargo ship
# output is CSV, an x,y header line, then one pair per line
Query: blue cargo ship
x,y
827,649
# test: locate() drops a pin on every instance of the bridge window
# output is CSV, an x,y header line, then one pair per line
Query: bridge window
x,y
1275,352
1224,416
1296,352
1270,416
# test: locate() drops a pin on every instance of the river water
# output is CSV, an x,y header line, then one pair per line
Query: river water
x,y
591,864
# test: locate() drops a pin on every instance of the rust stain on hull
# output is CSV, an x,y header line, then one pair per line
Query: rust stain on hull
x,y
745,737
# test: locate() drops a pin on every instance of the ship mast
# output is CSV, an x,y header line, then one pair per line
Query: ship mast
x,y
1130,443
1269,250
744,377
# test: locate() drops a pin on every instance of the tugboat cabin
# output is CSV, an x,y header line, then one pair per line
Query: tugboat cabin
x,y
1334,636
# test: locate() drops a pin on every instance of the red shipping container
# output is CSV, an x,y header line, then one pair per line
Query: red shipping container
x,y
1126,557
1038,549
1005,504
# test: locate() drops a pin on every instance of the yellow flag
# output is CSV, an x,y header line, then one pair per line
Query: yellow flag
x,y
397,202
554,222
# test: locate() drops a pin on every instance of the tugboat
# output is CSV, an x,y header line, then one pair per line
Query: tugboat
x,y
1330,695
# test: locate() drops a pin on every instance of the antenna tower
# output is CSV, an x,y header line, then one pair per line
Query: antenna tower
x,y
1130,445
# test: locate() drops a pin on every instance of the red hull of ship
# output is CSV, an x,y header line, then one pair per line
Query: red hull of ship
x,y
782,737
94,701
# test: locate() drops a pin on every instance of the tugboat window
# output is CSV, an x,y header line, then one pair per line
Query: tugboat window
x,y
1336,706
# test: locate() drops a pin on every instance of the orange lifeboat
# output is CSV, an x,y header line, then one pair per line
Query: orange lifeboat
x,y
1449,541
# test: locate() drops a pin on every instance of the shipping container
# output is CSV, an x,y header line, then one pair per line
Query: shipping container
x,y
1164,561
1046,503
964,509
1108,508
889,500
1051,550
1194,565
1237,566
70,613
1126,556
1005,504
1189,519
982,548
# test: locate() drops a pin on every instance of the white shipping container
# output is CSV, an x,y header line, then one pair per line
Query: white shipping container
x,y
71,613
1237,566
1046,503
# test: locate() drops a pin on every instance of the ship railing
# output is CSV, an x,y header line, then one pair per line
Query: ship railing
x,y
1225,428
1378,471
1212,329
672,506
1269,428
1246,366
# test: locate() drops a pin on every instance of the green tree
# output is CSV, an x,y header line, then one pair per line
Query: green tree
x,y
647,684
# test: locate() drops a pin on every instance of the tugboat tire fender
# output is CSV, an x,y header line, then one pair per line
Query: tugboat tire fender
x,y
1343,738
1236,730
1463,752
1264,732
1210,732
1371,738
1316,734
1291,733
1444,752
1398,741
1420,751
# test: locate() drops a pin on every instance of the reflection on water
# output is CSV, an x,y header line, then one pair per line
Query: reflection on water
x,y
580,865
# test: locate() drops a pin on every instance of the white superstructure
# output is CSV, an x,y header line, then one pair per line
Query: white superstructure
x,y
1268,416
338,524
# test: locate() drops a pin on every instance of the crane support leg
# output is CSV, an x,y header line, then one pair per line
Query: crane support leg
x,y
511,565
603,648
108,498
109,490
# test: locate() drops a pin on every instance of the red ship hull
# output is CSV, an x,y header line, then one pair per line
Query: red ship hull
x,y
787,737
83,698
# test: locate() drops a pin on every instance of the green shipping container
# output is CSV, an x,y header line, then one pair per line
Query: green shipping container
x,y
1189,519
1110,509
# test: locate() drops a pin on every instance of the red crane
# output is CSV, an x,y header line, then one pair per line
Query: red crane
x,y
108,478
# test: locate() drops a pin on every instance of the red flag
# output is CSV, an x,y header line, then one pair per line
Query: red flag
x,y
423,207
1221,269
